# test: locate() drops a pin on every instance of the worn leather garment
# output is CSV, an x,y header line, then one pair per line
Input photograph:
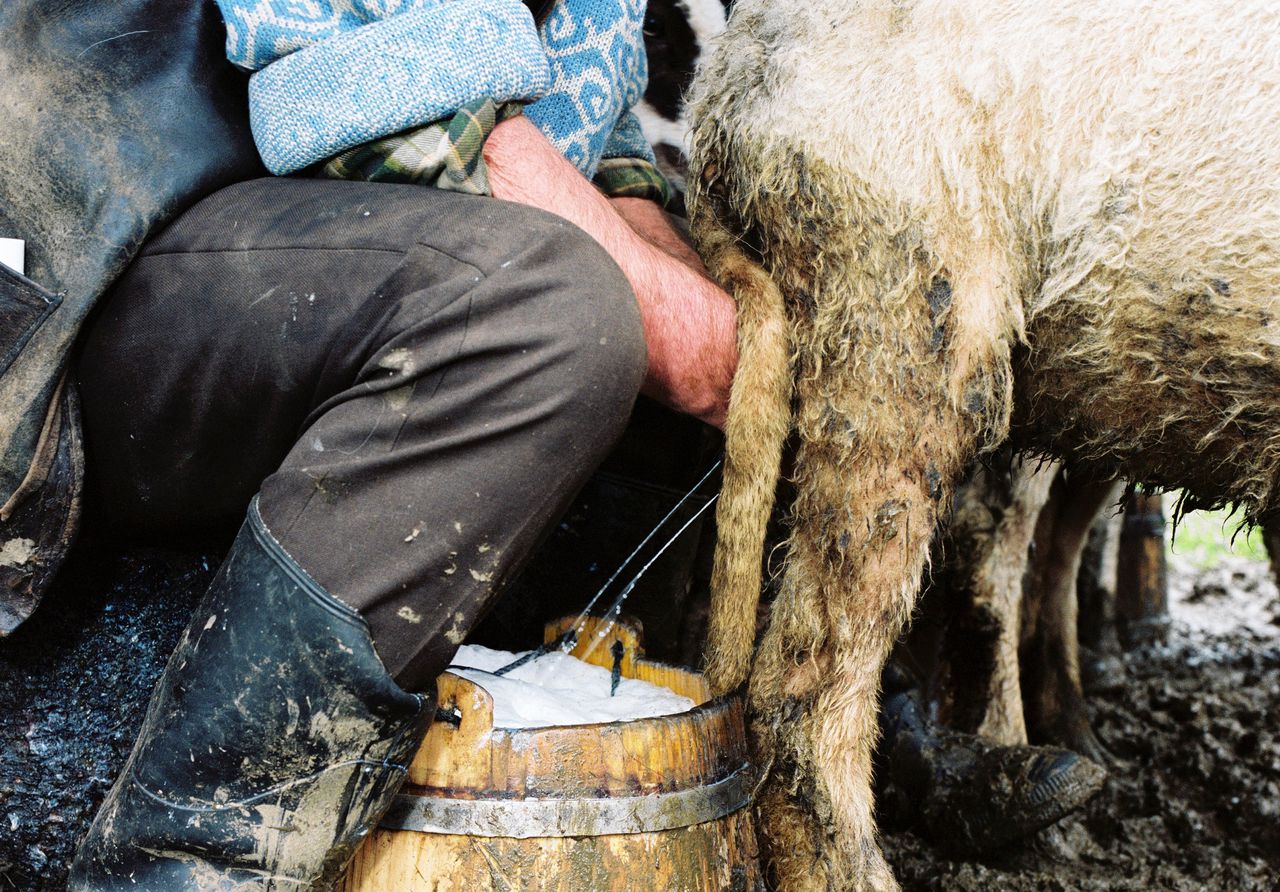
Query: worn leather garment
x,y
274,741
114,117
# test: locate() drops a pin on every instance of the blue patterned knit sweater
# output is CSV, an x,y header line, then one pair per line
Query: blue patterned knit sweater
x,y
330,75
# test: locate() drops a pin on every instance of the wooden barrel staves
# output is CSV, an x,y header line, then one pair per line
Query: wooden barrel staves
x,y
651,805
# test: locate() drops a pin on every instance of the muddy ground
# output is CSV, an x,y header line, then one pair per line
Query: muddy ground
x,y
74,683
1193,798
1193,802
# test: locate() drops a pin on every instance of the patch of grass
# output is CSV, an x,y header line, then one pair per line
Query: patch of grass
x,y
1205,537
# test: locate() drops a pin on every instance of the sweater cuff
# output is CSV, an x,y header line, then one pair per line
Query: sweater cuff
x,y
391,75
627,140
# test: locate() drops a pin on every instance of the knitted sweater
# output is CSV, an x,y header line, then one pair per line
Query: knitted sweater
x,y
331,75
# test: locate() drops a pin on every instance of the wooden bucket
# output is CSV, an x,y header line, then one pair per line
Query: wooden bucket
x,y
652,805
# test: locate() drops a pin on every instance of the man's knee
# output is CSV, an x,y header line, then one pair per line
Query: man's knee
x,y
550,319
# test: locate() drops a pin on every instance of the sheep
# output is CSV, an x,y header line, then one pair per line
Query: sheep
x,y
951,225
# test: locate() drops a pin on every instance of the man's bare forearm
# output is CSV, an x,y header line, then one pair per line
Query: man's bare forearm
x,y
655,226
689,322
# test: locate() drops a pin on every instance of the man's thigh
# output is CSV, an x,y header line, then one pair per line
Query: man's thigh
x,y
238,324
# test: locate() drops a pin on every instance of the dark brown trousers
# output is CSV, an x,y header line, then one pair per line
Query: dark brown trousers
x,y
414,382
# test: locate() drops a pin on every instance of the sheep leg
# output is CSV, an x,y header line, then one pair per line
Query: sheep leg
x,y
846,593
992,525
885,428
1101,668
1052,692
1271,541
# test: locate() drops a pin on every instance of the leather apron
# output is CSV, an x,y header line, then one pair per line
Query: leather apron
x,y
114,118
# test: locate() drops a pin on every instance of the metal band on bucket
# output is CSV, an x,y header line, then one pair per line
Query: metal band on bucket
x,y
527,818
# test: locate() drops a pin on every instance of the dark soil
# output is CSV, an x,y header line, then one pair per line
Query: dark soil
x,y
1193,801
1193,797
74,684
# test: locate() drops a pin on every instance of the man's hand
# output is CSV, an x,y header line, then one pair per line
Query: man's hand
x,y
689,322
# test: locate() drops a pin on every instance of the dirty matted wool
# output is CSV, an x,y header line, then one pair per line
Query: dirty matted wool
x,y
949,223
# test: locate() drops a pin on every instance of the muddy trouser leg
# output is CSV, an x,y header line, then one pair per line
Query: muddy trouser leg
x,y
414,383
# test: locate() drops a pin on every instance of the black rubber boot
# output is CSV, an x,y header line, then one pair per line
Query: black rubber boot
x,y
969,794
274,741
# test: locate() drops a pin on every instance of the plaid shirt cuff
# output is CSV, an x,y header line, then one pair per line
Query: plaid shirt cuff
x,y
632,178
449,155
446,154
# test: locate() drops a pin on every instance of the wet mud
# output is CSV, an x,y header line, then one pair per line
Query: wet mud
x,y
1192,802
